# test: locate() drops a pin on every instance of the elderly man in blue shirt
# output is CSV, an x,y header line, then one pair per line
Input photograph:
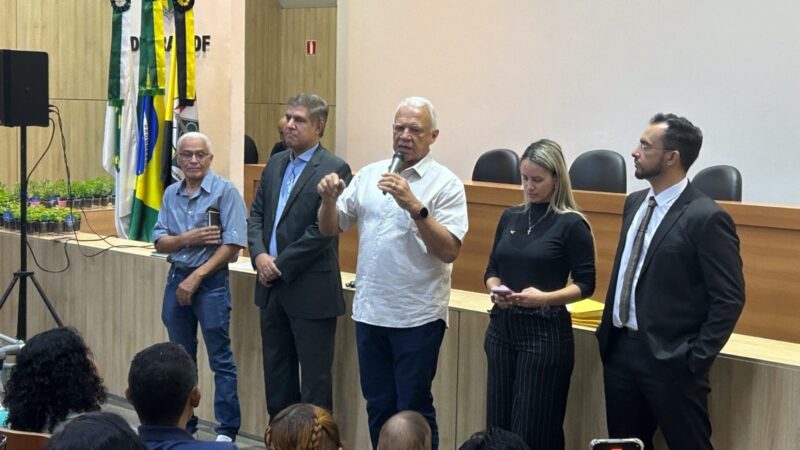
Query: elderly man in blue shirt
x,y
202,226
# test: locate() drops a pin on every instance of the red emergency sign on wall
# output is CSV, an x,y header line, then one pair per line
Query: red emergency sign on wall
x,y
311,47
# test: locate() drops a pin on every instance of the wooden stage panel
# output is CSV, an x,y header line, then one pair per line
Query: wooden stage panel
x,y
114,299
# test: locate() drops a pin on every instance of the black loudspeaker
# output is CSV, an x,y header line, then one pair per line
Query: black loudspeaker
x,y
24,95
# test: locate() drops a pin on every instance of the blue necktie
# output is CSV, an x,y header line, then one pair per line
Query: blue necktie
x,y
286,189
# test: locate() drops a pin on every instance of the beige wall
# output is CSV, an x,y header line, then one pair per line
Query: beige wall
x,y
277,66
76,38
220,91
587,74
76,34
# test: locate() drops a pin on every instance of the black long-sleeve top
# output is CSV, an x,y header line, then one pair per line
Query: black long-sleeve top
x,y
558,245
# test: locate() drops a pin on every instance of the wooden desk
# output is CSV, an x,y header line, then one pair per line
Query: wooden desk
x,y
114,300
769,235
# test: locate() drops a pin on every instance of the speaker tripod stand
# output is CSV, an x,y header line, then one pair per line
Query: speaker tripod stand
x,y
23,273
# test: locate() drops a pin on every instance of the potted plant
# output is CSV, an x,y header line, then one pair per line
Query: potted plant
x,y
15,217
108,185
99,191
61,192
47,193
34,216
72,223
5,207
34,193
60,214
8,218
47,220
80,192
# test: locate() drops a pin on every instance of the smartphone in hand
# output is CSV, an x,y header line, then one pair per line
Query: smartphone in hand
x,y
501,290
213,219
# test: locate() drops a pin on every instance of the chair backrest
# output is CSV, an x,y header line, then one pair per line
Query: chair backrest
x,y
720,183
250,150
23,440
599,170
497,166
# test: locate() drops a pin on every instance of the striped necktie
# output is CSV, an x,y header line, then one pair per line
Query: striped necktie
x,y
633,262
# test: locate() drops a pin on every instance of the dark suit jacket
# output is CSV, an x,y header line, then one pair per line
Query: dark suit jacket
x,y
691,288
277,148
310,286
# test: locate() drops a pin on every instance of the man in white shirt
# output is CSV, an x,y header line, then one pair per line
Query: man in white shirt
x,y
410,226
676,292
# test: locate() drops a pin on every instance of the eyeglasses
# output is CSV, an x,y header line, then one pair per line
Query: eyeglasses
x,y
412,129
644,146
187,156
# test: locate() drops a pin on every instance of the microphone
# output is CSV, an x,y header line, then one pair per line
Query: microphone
x,y
397,161
394,166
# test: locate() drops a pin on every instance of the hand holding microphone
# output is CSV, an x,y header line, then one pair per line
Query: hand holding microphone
x,y
394,166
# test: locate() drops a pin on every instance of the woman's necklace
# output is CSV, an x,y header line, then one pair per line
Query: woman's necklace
x,y
531,227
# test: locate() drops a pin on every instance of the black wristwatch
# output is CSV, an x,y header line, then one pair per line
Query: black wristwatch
x,y
422,214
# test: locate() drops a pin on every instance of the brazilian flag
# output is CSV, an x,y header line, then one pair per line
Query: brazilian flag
x,y
151,113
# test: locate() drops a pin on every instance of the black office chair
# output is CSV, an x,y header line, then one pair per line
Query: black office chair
x,y
599,170
250,150
720,183
497,166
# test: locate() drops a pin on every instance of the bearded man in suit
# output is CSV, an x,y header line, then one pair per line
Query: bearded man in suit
x,y
675,294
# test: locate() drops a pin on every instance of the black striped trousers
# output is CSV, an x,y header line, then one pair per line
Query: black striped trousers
x,y
530,355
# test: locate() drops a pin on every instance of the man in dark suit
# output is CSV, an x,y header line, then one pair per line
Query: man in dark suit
x,y
299,287
675,294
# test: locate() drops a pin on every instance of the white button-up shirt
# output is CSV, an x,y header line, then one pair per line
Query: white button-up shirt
x,y
398,283
664,202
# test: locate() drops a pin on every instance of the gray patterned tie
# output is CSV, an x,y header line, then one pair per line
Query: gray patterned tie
x,y
636,255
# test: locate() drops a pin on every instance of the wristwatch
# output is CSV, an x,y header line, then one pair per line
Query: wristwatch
x,y
422,214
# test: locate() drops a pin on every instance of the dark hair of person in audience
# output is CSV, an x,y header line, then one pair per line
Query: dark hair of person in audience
x,y
681,135
406,430
160,381
494,439
96,431
303,426
54,376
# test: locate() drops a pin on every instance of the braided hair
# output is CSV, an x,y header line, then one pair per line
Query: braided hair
x,y
302,426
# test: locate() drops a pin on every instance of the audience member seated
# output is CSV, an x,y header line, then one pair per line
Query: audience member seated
x,y
54,381
303,426
96,431
494,439
162,387
406,430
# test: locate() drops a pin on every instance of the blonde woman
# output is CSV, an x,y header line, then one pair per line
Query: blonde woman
x,y
529,344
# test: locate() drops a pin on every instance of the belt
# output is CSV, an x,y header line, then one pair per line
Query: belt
x,y
189,270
